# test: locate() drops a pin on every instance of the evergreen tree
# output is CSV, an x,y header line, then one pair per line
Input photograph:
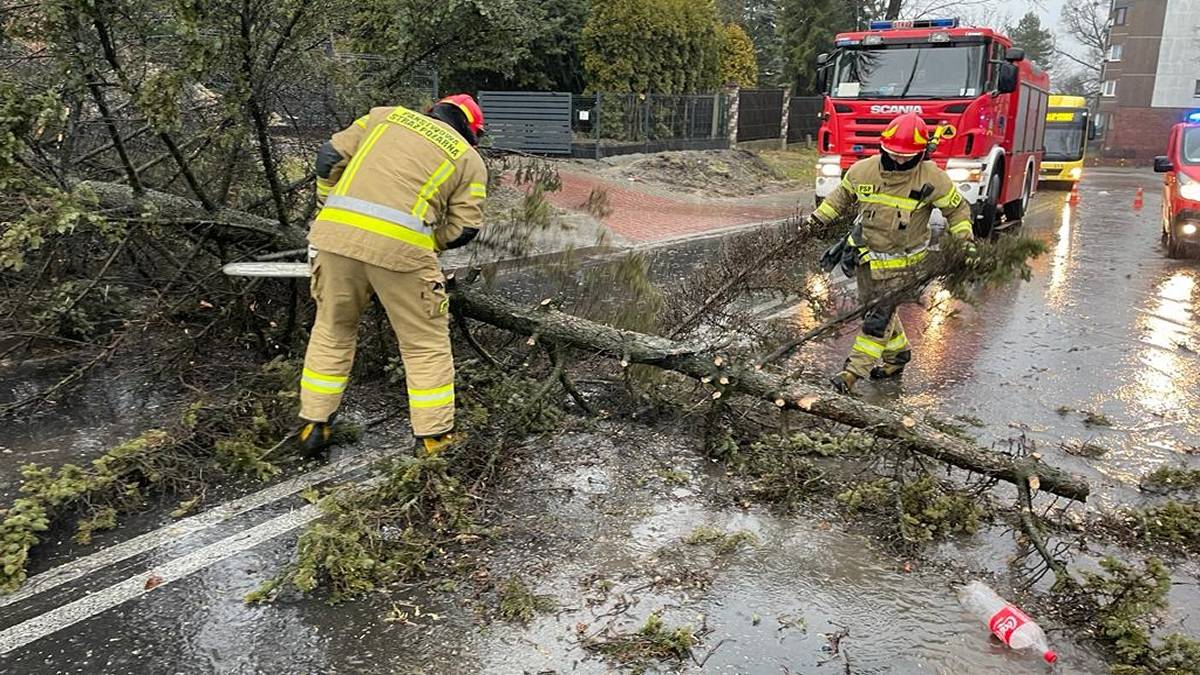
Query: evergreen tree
x,y
806,28
1037,41
738,63
652,46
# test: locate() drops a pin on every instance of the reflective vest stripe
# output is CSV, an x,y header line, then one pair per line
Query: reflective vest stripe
x,y
478,190
950,200
431,398
323,187
961,227
430,188
827,211
379,211
362,121
868,346
363,150
323,384
392,230
897,343
888,200
891,261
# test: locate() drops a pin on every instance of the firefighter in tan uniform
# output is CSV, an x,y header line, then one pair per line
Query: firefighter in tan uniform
x,y
395,188
896,192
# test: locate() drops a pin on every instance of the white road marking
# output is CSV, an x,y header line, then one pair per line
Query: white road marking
x,y
82,567
90,605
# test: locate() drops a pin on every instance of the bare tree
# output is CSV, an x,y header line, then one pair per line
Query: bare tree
x,y
1087,22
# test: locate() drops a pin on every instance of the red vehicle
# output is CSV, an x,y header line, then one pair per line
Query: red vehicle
x,y
1181,188
969,80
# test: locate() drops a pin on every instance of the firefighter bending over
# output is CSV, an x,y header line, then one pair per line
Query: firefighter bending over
x,y
395,188
896,192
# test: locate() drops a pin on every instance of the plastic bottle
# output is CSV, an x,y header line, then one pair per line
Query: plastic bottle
x,y
1005,620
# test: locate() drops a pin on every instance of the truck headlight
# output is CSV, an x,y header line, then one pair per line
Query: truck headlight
x,y
1076,173
963,171
1188,188
830,166
1187,229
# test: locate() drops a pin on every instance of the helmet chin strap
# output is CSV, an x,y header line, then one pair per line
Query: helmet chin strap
x,y
890,164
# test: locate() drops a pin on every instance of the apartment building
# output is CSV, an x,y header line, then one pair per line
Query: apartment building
x,y
1151,75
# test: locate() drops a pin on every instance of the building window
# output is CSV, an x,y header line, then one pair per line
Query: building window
x,y
1118,17
1101,121
1109,88
1115,52
1197,92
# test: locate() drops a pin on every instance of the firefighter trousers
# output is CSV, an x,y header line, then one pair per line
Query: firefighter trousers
x,y
881,336
417,307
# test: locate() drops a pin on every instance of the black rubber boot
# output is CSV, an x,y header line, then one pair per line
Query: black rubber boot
x,y
886,372
843,382
892,369
314,439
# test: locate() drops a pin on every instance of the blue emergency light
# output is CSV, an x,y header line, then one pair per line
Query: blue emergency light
x,y
923,23
1193,118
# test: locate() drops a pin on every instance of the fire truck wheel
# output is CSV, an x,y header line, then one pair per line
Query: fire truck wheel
x,y
987,212
1015,210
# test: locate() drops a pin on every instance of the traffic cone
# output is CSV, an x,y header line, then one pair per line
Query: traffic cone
x,y
1074,198
1137,198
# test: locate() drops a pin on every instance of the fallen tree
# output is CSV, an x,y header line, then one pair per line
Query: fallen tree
x,y
543,323
726,374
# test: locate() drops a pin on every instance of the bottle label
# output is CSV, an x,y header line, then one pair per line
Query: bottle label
x,y
1005,622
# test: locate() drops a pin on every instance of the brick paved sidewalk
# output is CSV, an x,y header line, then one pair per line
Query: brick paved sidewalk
x,y
640,217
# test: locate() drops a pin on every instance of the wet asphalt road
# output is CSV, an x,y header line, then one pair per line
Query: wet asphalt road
x,y
1107,326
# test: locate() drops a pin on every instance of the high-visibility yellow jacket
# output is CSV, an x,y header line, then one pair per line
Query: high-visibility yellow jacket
x,y
894,212
406,185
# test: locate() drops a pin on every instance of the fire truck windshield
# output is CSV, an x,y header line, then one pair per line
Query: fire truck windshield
x,y
909,71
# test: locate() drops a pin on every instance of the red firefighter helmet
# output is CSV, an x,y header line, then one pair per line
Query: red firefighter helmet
x,y
907,135
467,104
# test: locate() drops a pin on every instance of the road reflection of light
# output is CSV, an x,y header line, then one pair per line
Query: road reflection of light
x,y
1161,384
1060,263
818,287
933,339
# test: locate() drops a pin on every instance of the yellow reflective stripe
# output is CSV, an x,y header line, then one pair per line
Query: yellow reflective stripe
x,y
847,184
950,200
431,186
364,149
897,343
888,200
868,346
826,210
378,226
478,190
323,187
362,121
431,398
445,139
897,263
961,227
321,383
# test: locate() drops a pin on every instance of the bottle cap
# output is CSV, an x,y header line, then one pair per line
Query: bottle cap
x,y
1050,656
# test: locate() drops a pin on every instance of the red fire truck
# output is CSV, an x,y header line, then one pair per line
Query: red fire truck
x,y
970,80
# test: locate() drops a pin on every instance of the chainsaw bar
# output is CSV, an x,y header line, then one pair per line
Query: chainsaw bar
x,y
286,270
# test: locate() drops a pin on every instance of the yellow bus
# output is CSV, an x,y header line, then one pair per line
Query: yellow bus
x,y
1068,129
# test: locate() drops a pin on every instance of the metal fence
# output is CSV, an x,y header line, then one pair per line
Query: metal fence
x,y
804,118
528,121
617,124
760,114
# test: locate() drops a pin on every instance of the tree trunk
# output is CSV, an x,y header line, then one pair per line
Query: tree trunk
x,y
893,10
557,327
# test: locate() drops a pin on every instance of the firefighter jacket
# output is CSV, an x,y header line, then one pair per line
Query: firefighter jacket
x,y
405,186
894,210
